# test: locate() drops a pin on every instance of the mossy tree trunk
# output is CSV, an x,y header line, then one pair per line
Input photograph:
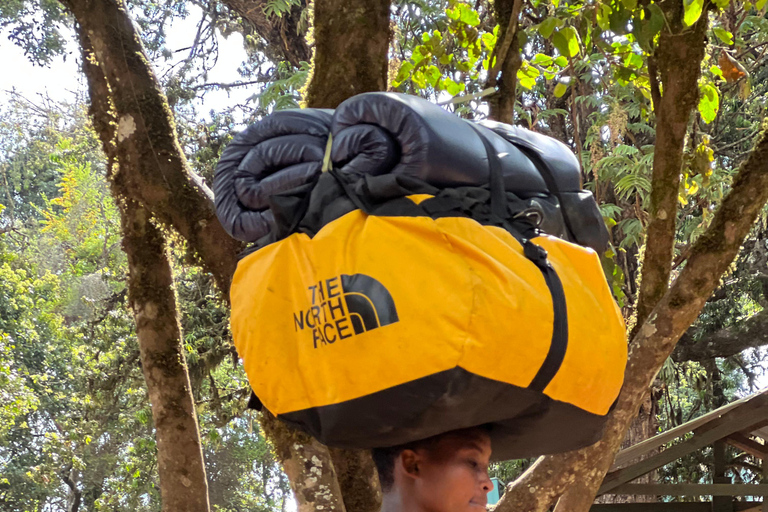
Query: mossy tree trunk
x,y
351,39
153,169
134,122
508,60
151,294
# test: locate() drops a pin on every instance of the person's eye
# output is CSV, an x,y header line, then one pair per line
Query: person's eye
x,y
473,463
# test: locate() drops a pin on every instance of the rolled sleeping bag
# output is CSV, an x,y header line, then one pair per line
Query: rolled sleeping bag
x,y
279,153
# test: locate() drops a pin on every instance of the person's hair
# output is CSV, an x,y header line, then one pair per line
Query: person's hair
x,y
384,458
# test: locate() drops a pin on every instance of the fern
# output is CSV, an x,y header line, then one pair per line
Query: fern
x,y
279,7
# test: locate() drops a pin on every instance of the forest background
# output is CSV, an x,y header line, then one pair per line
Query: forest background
x,y
661,101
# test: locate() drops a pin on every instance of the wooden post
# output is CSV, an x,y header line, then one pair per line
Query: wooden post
x,y
765,480
720,503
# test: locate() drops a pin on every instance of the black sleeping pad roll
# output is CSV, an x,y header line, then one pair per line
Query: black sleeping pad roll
x,y
432,144
279,153
562,172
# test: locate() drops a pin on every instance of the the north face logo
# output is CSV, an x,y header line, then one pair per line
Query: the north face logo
x,y
345,306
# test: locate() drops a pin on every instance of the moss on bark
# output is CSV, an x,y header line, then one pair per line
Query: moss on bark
x,y
350,56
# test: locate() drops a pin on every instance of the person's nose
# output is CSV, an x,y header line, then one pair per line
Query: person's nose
x,y
486,482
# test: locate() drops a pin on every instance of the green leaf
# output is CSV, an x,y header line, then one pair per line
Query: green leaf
x,y
489,40
452,87
403,73
561,61
566,40
525,81
709,103
619,19
657,18
715,70
542,59
760,4
723,35
432,74
560,90
469,15
548,26
630,4
693,10
634,60
419,79
446,59
603,17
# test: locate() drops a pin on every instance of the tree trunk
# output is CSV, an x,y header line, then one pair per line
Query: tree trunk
x,y
508,61
158,176
677,60
358,479
183,485
307,464
351,40
582,471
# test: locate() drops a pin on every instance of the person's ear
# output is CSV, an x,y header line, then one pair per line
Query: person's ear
x,y
409,461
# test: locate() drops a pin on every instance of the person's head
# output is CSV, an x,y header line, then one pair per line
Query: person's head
x,y
445,473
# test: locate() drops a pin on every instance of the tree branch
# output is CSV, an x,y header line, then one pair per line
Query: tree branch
x,y
151,295
285,40
678,62
508,61
727,342
159,177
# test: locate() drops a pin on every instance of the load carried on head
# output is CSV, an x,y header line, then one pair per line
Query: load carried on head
x,y
440,274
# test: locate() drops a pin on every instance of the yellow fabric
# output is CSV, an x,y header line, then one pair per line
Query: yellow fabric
x,y
465,296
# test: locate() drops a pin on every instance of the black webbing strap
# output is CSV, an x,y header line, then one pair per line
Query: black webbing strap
x,y
495,178
538,256
559,343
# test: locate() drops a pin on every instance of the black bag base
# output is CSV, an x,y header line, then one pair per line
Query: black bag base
x,y
522,423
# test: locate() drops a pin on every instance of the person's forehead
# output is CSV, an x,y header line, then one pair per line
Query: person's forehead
x,y
470,439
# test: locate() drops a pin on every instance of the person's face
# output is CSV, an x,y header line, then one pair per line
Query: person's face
x,y
452,475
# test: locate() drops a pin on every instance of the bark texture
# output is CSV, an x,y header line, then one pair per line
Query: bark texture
x,y
358,479
283,35
307,464
580,472
508,61
181,467
351,40
183,484
146,138
677,64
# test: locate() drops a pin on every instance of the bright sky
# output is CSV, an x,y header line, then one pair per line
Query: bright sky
x,y
62,80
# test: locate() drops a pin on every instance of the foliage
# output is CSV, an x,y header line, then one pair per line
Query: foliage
x,y
73,405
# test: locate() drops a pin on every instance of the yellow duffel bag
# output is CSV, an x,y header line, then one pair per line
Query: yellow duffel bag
x,y
380,321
